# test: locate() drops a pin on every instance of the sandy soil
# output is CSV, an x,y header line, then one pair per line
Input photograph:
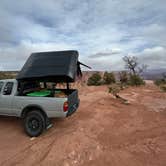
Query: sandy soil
x,y
102,132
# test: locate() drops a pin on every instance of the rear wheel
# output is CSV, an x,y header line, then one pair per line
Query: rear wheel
x,y
34,123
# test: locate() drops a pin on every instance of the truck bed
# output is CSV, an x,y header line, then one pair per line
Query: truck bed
x,y
53,105
60,93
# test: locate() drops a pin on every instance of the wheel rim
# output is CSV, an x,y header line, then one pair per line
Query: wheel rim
x,y
33,124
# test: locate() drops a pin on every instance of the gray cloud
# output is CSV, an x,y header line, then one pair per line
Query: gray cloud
x,y
95,28
154,57
105,54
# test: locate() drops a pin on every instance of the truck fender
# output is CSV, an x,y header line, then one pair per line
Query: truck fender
x,y
29,108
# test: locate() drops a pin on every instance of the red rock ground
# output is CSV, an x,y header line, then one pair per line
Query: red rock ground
x,y
102,132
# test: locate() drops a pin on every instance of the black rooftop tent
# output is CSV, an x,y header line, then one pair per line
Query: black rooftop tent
x,y
56,66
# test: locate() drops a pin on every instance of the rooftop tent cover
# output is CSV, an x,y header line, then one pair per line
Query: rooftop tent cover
x,y
57,66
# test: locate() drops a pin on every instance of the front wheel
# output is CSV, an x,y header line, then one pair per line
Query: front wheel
x,y
34,123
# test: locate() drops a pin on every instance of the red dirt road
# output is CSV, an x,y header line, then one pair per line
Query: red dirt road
x,y
102,132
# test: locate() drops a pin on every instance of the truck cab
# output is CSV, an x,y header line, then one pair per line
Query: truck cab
x,y
6,96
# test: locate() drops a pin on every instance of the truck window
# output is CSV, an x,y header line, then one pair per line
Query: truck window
x,y
8,88
1,85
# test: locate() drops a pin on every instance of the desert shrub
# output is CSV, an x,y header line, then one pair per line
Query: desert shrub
x,y
114,89
5,75
95,79
109,78
159,82
163,87
123,77
135,80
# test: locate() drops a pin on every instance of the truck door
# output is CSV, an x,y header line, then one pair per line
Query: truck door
x,y
6,99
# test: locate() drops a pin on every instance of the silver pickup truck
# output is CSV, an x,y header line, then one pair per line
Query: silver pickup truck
x,y
35,111
34,96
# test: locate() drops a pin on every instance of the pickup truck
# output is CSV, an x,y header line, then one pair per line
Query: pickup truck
x,y
34,96
35,111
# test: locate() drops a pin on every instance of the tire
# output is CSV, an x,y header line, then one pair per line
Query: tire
x,y
34,123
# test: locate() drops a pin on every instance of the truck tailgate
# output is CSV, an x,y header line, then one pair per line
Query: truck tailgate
x,y
73,101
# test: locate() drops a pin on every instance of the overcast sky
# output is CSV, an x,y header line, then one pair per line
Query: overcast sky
x,y
103,31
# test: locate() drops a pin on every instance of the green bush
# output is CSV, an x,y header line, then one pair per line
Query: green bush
x,y
135,80
109,78
95,79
